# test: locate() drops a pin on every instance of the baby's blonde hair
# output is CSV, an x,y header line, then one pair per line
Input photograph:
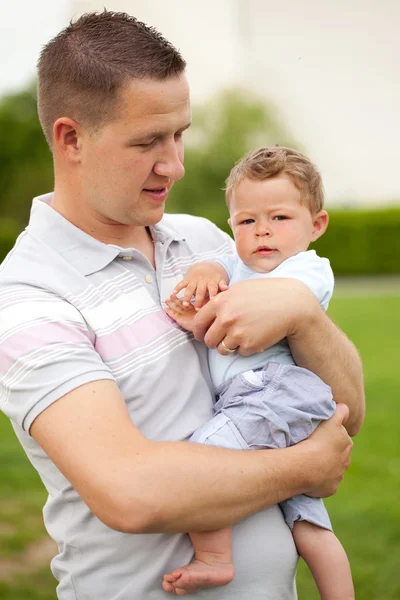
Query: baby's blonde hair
x,y
273,161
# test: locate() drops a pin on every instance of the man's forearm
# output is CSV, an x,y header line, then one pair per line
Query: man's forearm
x,y
136,485
320,346
192,487
178,487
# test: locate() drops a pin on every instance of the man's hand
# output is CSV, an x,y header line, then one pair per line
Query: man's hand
x,y
328,453
253,315
202,281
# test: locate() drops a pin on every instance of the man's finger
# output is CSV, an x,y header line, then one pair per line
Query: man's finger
x,y
204,319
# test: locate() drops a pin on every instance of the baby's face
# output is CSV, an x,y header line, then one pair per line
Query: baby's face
x,y
270,223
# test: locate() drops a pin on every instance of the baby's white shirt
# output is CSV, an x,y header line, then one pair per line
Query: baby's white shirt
x,y
315,272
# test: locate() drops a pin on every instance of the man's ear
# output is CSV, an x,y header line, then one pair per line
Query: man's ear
x,y
230,223
66,139
320,224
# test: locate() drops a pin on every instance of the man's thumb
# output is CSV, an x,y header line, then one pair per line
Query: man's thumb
x,y
342,413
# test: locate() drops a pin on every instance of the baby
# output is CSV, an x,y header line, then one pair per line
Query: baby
x,y
275,199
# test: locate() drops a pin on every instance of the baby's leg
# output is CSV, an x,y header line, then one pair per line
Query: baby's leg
x,y
212,565
326,560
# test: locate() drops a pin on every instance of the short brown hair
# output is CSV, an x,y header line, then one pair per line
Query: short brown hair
x,y
81,70
273,161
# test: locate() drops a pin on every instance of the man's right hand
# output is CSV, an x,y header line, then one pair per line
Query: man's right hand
x,y
329,449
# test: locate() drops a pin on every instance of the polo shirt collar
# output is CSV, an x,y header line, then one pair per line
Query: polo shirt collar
x,y
79,249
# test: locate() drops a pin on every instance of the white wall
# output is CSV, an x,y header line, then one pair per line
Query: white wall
x,y
331,68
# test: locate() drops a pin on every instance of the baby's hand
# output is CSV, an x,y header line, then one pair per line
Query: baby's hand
x,y
203,282
183,315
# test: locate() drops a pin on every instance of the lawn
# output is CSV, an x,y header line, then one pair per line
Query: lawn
x,y
365,512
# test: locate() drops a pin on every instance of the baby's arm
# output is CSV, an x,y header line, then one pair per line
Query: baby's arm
x,y
200,280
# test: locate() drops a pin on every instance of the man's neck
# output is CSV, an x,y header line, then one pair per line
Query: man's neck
x,y
124,236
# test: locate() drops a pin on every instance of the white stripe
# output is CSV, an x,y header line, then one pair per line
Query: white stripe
x,y
108,313
119,323
102,289
26,313
11,296
39,357
105,315
23,326
149,357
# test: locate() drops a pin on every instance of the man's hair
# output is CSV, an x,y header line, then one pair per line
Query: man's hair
x,y
273,161
81,70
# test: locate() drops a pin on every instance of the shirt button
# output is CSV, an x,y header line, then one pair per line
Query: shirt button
x,y
127,258
148,279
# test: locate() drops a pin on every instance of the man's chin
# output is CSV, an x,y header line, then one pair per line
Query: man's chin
x,y
150,218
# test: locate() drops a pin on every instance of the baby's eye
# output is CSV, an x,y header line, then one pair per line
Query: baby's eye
x,y
247,221
280,218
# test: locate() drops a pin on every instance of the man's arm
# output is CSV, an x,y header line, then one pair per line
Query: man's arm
x,y
254,315
335,360
136,485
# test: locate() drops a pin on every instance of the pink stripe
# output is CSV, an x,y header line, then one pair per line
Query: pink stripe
x,y
113,345
39,336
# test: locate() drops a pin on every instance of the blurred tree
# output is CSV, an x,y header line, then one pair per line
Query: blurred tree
x,y
223,130
25,160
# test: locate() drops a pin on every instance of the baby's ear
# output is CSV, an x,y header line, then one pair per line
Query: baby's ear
x,y
230,223
320,224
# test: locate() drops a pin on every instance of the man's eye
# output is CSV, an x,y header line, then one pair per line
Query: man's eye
x,y
147,145
247,221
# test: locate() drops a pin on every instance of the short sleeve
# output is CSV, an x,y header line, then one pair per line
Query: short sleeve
x,y
315,272
229,262
46,351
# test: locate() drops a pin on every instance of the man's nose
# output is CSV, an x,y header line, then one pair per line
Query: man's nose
x,y
171,164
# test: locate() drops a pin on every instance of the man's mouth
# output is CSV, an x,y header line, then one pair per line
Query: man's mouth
x,y
160,194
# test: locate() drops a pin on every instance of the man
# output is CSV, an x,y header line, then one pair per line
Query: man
x,y
100,386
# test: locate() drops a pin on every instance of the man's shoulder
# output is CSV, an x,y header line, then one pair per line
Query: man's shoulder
x,y
30,264
18,261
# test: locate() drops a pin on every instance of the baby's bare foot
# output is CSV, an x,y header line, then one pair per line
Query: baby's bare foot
x,y
197,575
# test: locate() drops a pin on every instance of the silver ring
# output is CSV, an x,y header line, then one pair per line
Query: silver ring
x,y
225,347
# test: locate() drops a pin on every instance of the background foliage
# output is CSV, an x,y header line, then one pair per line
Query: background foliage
x,y
357,242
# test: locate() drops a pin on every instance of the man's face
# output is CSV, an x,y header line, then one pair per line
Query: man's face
x,y
131,163
269,222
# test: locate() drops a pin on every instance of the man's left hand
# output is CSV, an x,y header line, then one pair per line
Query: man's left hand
x,y
253,315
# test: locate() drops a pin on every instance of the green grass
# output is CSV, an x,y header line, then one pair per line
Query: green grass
x,y
33,586
365,512
22,496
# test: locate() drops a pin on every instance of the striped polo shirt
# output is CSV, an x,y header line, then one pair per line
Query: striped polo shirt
x,y
74,310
